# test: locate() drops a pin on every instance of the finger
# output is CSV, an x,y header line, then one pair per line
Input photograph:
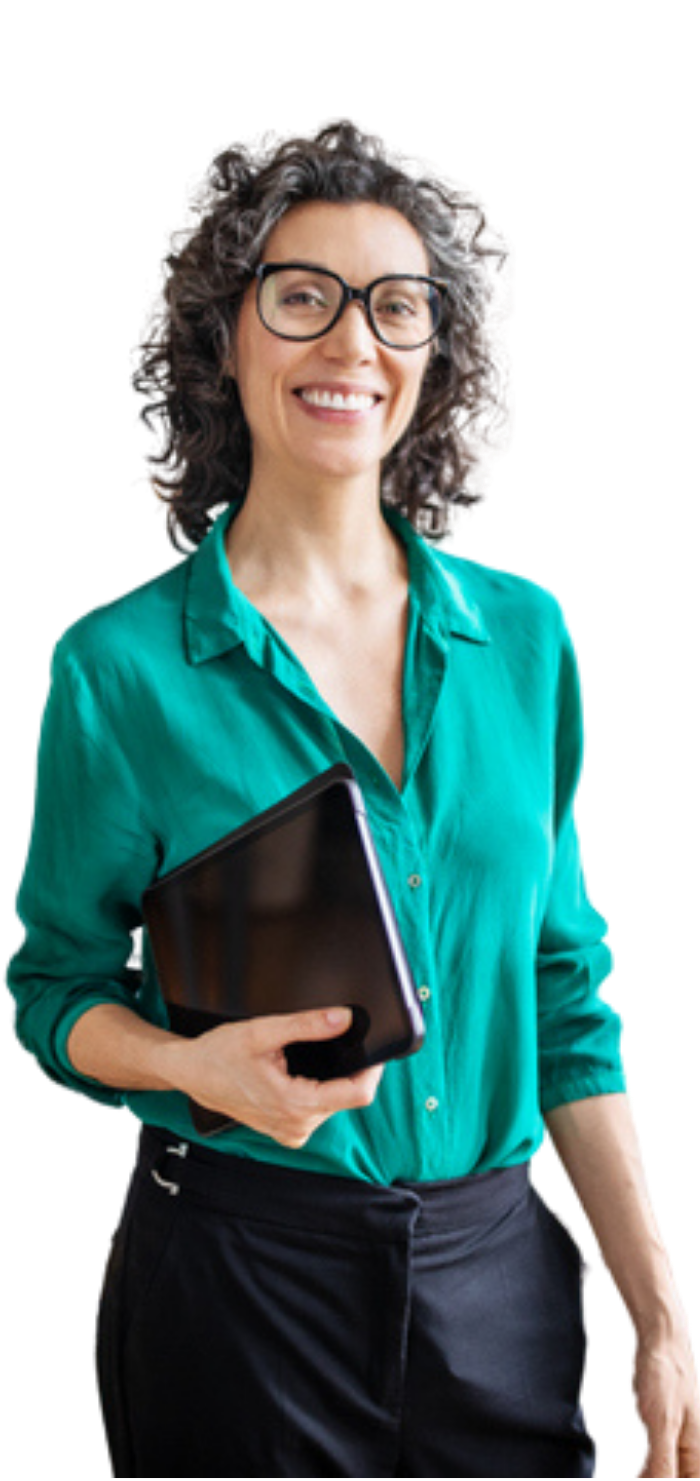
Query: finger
x,y
276,1030
370,1077
352,1092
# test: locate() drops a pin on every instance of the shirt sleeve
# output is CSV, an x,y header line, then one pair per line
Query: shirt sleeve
x,y
90,858
578,1032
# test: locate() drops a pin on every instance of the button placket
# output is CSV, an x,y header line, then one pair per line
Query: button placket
x,y
431,1103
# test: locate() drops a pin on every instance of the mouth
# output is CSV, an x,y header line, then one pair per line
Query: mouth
x,y
327,399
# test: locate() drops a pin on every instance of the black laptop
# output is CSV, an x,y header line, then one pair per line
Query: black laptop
x,y
290,911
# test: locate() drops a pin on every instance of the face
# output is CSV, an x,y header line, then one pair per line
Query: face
x,y
279,380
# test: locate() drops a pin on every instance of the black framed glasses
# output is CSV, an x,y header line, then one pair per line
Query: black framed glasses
x,y
298,300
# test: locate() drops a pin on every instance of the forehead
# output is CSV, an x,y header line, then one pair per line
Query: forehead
x,y
361,240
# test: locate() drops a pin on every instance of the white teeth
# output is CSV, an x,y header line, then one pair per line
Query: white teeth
x,y
355,401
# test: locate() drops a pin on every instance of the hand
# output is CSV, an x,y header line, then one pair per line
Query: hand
x,y
669,1403
240,1070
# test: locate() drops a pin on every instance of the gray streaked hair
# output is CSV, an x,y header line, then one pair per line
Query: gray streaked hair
x,y
204,456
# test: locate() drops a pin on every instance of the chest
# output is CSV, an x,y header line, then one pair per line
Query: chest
x,y
357,666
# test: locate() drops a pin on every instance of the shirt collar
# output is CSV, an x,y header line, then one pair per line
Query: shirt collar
x,y
218,616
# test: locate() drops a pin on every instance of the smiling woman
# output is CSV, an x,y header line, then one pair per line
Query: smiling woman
x,y
206,454
356,1278
324,412
289,383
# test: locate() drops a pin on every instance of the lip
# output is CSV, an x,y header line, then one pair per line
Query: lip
x,y
339,388
341,416
336,414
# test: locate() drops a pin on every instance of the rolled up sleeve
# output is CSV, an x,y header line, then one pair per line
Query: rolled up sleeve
x,y
578,1031
90,858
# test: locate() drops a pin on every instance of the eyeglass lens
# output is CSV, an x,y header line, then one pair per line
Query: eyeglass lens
x,y
301,303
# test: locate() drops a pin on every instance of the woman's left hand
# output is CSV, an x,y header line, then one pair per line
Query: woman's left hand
x,y
669,1403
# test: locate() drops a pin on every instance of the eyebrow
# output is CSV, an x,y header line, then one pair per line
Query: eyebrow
x,y
305,265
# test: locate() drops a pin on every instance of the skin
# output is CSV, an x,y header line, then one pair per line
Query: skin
x,y
310,530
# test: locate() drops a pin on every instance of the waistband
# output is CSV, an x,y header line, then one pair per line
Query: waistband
x,y
347,1207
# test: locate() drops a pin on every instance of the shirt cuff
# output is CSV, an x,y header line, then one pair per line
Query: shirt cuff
x,y
582,1087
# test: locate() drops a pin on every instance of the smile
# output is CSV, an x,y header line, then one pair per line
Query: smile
x,y
336,401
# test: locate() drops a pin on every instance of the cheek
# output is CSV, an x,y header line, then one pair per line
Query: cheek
x,y
412,385
254,352
259,369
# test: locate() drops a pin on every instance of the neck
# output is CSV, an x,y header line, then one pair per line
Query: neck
x,y
328,541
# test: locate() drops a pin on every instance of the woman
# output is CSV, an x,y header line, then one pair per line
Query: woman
x,y
356,1278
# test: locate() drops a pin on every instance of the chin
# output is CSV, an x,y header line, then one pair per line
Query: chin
x,y
344,468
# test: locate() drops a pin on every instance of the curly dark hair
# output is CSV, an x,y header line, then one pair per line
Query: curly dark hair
x,y
206,457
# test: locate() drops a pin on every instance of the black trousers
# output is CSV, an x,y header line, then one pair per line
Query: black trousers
x,y
258,1321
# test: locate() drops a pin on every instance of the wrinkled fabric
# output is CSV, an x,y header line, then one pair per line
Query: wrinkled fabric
x,y
178,712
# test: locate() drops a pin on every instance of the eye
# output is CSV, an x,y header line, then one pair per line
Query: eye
x,y
300,292
396,306
401,301
303,298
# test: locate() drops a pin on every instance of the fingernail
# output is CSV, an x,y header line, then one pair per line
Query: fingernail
x,y
336,1016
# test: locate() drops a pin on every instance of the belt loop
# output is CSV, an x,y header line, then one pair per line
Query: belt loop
x,y
180,1150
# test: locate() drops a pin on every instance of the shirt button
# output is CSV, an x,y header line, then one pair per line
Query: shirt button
x,y
424,993
431,1104
414,880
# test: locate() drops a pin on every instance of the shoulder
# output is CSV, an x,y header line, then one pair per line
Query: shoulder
x,y
513,608
134,631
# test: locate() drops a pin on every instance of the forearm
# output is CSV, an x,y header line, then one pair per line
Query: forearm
x,y
114,1045
597,1142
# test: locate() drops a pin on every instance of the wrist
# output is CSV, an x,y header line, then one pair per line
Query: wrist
x,y
659,1318
168,1056
112,1044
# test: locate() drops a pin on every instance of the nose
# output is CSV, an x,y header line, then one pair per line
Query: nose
x,y
351,337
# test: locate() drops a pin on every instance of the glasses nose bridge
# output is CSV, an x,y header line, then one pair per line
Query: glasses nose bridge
x,y
359,296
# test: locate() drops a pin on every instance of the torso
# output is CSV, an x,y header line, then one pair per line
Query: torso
x,y
357,668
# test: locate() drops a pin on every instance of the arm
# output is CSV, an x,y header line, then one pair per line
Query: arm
x,y
582,1097
600,1151
238,1068
114,1046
